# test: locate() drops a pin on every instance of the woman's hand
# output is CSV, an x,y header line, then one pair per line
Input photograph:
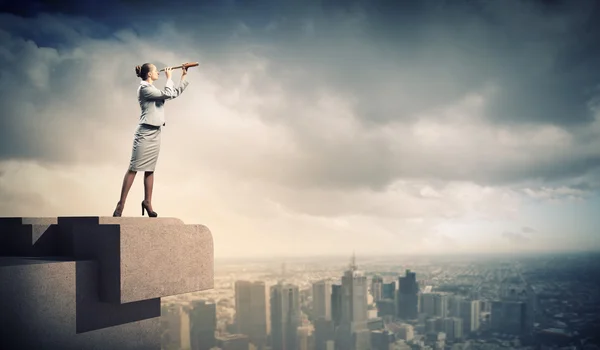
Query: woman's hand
x,y
183,70
168,72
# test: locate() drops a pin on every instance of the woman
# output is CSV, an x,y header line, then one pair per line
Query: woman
x,y
146,144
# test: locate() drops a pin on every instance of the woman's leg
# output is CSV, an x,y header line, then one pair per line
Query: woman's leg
x,y
148,185
127,182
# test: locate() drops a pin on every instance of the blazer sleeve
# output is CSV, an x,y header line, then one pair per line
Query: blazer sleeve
x,y
152,93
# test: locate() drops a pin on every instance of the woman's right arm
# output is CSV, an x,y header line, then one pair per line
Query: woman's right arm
x,y
150,92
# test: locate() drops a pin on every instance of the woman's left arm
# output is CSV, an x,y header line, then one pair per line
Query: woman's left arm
x,y
183,83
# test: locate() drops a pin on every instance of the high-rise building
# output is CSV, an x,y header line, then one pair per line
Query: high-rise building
x,y
469,313
382,339
406,332
431,325
354,296
377,288
361,339
521,291
454,305
175,324
336,304
386,307
408,299
427,304
322,299
440,304
324,332
509,317
285,316
203,324
353,333
434,304
304,336
251,311
388,290
486,306
453,327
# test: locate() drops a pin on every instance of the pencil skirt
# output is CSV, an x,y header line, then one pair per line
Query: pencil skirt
x,y
146,147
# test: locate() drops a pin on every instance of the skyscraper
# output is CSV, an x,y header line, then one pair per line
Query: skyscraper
x,y
382,339
453,327
377,288
203,324
509,317
354,296
440,304
353,333
427,304
175,322
454,305
285,316
322,299
324,332
336,304
408,299
251,311
469,313
304,336
386,308
388,290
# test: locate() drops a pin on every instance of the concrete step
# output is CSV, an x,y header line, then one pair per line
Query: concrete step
x,y
139,258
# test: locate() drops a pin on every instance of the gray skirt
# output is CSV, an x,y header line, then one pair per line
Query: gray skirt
x,y
146,147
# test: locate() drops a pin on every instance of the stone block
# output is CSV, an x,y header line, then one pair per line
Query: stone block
x,y
95,282
139,258
28,236
54,304
140,262
48,236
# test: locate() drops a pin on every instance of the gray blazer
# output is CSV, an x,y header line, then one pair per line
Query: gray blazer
x,y
152,100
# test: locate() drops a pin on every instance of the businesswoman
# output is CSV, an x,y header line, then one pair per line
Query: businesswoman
x,y
146,143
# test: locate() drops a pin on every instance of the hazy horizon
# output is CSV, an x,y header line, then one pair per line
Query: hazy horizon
x,y
316,128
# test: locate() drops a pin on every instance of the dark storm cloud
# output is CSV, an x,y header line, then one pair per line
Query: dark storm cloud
x,y
390,61
420,54
542,60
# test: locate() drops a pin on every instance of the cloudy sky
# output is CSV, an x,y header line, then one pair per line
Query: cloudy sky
x,y
316,127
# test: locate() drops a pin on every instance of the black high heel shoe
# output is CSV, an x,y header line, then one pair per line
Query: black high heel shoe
x,y
118,210
151,213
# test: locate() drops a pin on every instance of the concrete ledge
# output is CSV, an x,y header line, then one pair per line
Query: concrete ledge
x,y
53,304
159,261
92,314
139,258
140,262
96,282
48,236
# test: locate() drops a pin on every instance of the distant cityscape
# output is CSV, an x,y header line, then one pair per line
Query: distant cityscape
x,y
543,301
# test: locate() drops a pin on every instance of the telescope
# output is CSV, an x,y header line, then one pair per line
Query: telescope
x,y
186,65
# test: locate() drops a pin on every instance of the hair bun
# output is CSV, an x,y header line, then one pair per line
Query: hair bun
x,y
138,71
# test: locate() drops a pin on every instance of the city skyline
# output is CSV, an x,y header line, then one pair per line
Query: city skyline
x,y
316,128
464,303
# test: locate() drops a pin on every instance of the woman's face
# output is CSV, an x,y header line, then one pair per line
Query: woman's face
x,y
153,74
